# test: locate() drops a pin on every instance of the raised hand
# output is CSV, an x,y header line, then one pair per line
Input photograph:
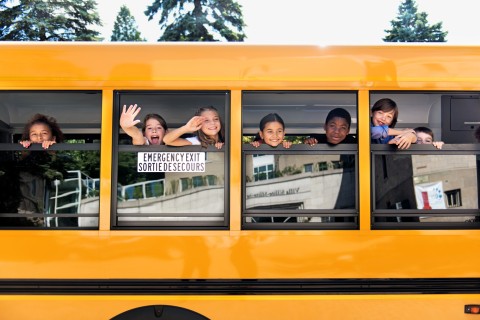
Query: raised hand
x,y
127,118
195,123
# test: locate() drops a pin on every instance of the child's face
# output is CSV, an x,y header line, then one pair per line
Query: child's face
x,y
211,125
424,138
383,118
40,132
272,134
154,131
336,130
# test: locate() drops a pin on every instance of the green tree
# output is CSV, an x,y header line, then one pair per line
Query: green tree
x,y
198,20
49,20
412,26
125,27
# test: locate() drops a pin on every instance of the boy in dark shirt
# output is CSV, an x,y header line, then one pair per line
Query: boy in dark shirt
x,y
337,128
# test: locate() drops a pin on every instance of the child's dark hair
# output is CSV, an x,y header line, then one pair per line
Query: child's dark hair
x,y
271,117
202,137
157,117
424,130
387,105
51,122
339,113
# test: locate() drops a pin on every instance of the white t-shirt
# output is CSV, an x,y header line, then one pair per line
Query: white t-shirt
x,y
193,140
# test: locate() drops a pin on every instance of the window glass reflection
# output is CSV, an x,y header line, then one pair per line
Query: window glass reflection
x,y
49,189
427,182
298,182
156,197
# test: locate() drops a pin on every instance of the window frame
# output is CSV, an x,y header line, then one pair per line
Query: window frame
x,y
452,148
117,148
312,102
69,133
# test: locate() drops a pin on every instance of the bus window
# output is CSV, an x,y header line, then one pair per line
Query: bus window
x,y
58,187
305,186
426,187
161,186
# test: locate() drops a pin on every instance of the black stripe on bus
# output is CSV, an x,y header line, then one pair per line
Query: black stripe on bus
x,y
240,286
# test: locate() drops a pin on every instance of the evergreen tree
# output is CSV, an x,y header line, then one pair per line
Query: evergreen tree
x,y
198,20
125,27
412,26
49,20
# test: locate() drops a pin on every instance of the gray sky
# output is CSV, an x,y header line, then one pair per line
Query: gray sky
x,y
320,22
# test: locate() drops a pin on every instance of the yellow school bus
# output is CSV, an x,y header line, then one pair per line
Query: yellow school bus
x,y
95,227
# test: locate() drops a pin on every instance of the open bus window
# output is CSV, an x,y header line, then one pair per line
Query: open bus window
x,y
451,117
304,186
58,187
304,112
425,187
162,186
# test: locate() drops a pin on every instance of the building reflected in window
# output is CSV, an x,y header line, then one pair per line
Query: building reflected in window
x,y
50,189
171,196
287,181
426,182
